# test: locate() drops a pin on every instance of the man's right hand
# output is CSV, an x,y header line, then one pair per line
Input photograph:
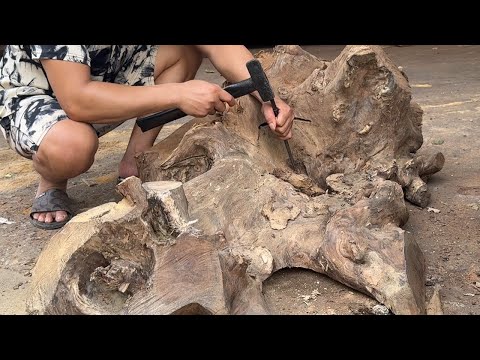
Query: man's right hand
x,y
201,98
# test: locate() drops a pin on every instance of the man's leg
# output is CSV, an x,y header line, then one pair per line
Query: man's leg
x,y
66,151
173,64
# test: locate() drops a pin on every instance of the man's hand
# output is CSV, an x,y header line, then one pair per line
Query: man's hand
x,y
282,125
230,61
200,98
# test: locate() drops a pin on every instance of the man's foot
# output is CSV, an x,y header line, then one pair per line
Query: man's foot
x,y
50,216
127,167
139,142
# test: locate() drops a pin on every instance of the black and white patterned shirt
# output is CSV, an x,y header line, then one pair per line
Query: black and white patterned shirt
x,y
22,74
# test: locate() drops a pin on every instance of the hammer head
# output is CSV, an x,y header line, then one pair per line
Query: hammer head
x,y
259,80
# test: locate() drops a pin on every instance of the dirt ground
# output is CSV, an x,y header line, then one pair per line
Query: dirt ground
x,y
445,82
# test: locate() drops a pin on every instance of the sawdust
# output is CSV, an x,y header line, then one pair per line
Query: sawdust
x,y
15,172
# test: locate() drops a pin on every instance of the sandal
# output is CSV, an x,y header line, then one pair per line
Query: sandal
x,y
51,200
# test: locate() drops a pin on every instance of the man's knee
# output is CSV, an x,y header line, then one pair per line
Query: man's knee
x,y
69,143
182,59
193,58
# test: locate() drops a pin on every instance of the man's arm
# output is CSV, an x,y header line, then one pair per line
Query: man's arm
x,y
230,61
90,101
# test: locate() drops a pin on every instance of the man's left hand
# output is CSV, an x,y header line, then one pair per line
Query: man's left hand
x,y
282,125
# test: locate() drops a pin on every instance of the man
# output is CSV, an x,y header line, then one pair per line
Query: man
x,y
56,100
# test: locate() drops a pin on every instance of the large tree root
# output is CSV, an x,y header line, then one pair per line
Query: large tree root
x,y
242,214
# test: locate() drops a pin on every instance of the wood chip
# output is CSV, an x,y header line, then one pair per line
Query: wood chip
x,y
6,221
435,306
122,288
421,85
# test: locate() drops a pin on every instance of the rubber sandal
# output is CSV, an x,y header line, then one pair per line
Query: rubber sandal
x,y
51,200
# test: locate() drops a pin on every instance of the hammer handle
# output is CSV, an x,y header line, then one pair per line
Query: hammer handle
x,y
163,117
275,109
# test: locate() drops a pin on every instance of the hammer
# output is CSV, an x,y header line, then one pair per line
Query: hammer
x,y
258,82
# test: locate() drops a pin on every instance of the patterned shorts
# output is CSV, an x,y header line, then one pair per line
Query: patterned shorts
x,y
33,116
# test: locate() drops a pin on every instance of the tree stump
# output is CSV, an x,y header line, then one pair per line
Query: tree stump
x,y
218,210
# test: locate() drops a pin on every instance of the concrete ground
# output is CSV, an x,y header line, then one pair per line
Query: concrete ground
x,y
445,82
